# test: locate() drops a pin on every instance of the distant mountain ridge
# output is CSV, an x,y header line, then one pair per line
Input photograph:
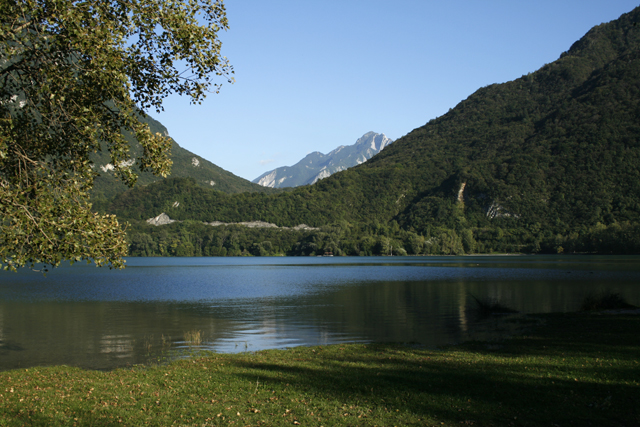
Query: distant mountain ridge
x,y
316,166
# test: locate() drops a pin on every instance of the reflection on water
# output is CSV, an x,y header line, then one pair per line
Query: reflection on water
x,y
119,346
101,319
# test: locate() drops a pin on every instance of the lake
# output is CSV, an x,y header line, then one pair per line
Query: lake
x,y
98,318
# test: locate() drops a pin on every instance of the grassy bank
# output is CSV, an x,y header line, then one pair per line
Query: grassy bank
x,y
574,369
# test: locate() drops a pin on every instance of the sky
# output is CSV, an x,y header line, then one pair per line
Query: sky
x,y
312,75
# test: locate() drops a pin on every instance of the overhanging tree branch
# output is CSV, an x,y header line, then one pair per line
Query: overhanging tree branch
x,y
73,76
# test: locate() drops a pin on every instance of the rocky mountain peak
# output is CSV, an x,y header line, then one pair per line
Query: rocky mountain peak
x,y
315,166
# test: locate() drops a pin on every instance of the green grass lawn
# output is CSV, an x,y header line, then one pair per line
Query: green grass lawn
x,y
571,369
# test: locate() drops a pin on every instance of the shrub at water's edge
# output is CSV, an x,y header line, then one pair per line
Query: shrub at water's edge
x,y
605,300
485,307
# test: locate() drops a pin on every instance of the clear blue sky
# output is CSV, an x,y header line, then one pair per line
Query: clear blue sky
x,y
315,74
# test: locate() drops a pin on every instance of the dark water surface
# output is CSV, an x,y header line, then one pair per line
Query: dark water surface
x,y
101,319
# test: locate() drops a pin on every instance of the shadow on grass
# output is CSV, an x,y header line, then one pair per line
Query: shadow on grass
x,y
576,370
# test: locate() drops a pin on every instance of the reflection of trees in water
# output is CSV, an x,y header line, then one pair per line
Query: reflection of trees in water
x,y
392,311
95,335
439,312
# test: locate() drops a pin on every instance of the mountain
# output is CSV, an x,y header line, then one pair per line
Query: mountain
x,y
185,165
549,162
316,166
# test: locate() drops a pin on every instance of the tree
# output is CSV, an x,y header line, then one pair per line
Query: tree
x,y
75,75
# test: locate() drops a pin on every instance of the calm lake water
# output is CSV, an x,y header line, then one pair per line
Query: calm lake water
x,y
101,319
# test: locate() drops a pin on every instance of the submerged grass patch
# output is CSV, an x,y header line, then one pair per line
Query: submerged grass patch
x,y
576,369
193,338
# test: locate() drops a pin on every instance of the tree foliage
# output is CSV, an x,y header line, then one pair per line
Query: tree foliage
x,y
75,75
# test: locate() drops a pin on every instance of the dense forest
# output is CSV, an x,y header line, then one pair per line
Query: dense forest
x,y
545,163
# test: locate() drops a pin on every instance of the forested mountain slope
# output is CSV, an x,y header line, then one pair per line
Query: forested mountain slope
x,y
552,155
185,165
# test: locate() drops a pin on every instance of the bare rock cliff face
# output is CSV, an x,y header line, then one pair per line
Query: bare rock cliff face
x,y
161,219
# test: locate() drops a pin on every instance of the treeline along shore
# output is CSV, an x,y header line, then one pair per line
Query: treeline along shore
x,y
198,238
